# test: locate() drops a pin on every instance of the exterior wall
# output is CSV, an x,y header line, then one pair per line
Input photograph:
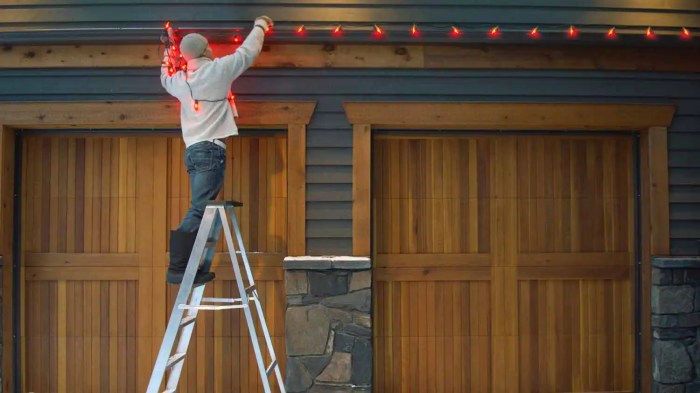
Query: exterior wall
x,y
329,136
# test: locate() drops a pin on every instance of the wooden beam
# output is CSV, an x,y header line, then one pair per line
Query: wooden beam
x,y
575,259
432,274
657,144
573,272
7,184
375,56
361,185
296,190
509,116
149,114
55,259
60,273
654,228
431,260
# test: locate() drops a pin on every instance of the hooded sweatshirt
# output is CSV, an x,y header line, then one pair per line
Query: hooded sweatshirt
x,y
209,83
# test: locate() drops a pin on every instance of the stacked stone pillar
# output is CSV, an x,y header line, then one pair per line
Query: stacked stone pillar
x,y
328,324
675,306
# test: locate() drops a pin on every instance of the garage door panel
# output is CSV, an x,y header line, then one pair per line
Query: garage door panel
x,y
576,335
545,238
574,167
419,329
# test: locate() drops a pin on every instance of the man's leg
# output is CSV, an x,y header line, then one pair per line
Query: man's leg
x,y
206,163
206,168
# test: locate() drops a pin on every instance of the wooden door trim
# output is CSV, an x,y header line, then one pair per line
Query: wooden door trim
x,y
649,120
154,115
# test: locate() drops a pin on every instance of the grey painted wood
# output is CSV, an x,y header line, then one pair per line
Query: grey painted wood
x,y
329,174
329,246
329,210
328,229
685,176
684,212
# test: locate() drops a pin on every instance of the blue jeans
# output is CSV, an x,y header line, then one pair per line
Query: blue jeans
x,y
206,164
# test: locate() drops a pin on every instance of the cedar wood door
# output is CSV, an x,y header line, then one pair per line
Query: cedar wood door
x,y
96,214
504,263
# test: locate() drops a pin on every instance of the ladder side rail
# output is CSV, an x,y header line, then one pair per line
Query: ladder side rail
x,y
246,300
258,304
195,299
243,253
184,341
182,297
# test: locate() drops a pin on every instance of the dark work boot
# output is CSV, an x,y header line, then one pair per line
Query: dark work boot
x,y
181,244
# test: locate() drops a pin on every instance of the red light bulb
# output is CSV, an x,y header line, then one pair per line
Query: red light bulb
x,y
495,32
534,33
184,67
167,25
196,105
650,34
455,32
174,48
612,34
573,32
685,34
301,30
171,71
414,31
231,97
338,30
378,31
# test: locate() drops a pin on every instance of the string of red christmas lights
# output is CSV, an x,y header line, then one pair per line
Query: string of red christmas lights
x,y
495,32
454,31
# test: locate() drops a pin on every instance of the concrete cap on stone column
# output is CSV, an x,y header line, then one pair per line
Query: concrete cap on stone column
x,y
327,263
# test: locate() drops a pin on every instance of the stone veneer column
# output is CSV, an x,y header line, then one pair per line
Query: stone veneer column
x,y
675,307
328,324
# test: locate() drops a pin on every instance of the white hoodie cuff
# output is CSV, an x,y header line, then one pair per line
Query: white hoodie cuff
x,y
262,23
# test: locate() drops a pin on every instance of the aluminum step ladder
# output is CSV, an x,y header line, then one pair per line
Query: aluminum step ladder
x,y
189,301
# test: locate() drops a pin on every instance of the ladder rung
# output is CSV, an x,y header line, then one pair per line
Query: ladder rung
x,y
169,391
210,307
175,359
271,368
187,320
220,300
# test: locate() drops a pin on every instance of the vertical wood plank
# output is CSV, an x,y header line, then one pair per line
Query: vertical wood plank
x,y
7,162
144,244
296,189
655,223
361,179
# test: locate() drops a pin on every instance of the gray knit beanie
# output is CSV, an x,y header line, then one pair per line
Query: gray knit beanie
x,y
193,46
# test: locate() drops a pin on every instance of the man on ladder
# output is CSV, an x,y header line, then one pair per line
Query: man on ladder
x,y
206,120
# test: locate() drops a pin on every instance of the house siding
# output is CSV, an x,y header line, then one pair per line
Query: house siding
x,y
329,137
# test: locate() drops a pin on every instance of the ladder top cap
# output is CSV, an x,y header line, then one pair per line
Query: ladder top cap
x,y
225,203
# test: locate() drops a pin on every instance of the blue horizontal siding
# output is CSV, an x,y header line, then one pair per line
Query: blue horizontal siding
x,y
329,138
22,21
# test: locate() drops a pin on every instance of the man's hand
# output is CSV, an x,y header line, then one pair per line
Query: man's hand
x,y
267,20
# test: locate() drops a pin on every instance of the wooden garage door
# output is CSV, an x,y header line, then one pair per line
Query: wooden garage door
x,y
96,212
504,263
